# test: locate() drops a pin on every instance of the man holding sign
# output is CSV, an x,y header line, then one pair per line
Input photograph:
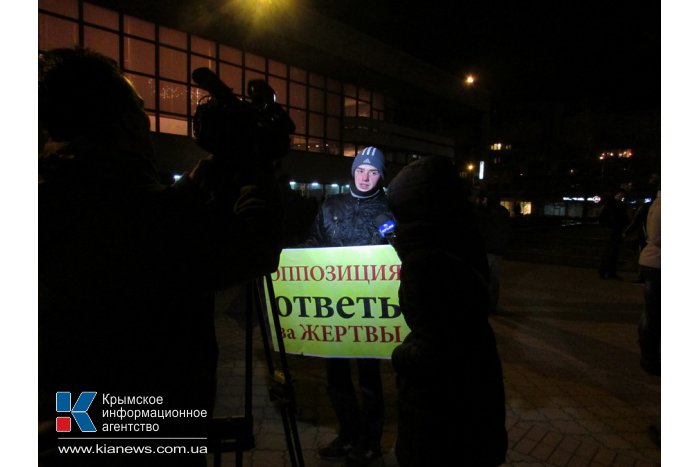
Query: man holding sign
x,y
353,219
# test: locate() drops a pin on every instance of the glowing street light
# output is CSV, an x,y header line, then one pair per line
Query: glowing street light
x,y
469,80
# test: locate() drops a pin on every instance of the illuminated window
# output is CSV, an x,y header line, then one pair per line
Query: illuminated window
x,y
233,76
297,95
172,64
280,87
146,86
173,97
333,104
256,62
350,107
230,55
299,142
102,41
316,100
363,109
203,46
299,119
172,37
159,60
62,7
100,16
174,125
349,150
315,124
56,32
139,56
297,74
277,68
140,28
333,128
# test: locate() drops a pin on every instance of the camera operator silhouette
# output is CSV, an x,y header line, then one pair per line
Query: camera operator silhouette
x,y
127,266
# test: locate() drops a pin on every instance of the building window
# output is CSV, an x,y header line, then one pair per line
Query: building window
x,y
202,46
297,95
100,16
172,64
159,62
146,87
139,56
230,55
62,7
56,32
102,41
172,37
139,28
233,77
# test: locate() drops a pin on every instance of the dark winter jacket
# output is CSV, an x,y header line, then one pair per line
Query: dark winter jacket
x,y
344,220
450,381
127,274
449,376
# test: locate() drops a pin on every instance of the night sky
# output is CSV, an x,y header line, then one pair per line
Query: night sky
x,y
606,51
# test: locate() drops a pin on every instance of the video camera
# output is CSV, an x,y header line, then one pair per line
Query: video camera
x,y
231,128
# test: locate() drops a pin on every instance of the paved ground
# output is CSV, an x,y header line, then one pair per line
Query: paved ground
x,y
575,392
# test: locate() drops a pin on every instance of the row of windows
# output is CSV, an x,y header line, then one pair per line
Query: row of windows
x,y
159,61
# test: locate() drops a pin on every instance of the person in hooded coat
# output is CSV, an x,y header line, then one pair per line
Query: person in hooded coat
x,y
450,382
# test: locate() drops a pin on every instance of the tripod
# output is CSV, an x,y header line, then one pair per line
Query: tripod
x,y
235,434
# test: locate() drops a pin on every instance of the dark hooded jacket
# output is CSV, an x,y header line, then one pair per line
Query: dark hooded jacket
x,y
344,220
449,375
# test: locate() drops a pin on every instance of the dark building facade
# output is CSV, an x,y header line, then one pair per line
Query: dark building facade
x,y
561,158
344,90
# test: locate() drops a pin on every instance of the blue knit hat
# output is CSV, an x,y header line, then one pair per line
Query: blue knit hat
x,y
371,156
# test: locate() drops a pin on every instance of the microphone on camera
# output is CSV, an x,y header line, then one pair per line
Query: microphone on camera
x,y
385,224
210,82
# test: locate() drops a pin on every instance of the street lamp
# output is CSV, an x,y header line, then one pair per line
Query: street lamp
x,y
469,80
470,170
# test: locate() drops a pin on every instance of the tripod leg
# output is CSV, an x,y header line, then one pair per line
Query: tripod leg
x,y
250,296
287,402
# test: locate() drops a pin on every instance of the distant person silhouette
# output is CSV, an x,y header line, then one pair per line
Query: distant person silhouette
x,y
637,228
450,381
613,217
299,213
494,224
650,262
